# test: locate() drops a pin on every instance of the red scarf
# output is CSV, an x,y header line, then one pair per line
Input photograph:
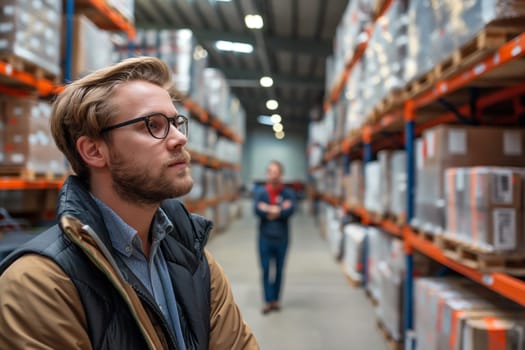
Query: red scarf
x,y
273,192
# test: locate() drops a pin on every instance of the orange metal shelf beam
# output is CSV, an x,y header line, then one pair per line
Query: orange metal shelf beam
x,y
358,53
501,283
205,118
14,183
501,95
43,86
116,21
507,52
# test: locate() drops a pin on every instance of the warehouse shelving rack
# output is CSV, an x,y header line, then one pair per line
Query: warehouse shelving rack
x,y
405,124
19,83
14,82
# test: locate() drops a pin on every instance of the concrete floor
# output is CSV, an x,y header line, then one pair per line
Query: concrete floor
x,y
320,309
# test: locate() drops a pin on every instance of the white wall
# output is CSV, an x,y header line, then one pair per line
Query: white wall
x,y
261,146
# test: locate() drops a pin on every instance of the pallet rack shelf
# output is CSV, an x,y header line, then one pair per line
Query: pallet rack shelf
x,y
20,83
405,122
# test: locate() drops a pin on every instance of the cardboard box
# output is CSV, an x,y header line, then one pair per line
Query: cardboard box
x,y
92,47
495,332
29,31
449,146
356,185
398,185
484,207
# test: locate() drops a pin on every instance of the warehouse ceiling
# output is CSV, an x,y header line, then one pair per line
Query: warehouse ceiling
x,y
292,48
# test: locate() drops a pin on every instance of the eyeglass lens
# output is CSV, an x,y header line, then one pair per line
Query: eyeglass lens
x,y
159,125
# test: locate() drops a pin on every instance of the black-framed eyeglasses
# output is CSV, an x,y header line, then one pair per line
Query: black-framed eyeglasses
x,y
158,124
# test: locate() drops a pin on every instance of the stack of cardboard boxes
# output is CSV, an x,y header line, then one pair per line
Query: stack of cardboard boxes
x,y
27,140
29,32
484,207
452,146
458,314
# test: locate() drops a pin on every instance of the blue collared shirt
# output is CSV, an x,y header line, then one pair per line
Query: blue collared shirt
x,y
152,272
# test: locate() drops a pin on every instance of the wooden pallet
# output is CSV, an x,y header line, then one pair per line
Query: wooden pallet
x,y
391,343
101,19
378,217
29,174
353,282
426,236
474,51
477,258
391,101
22,64
400,220
370,297
419,85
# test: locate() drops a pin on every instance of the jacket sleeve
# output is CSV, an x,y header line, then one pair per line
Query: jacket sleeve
x,y
228,330
288,195
259,197
40,307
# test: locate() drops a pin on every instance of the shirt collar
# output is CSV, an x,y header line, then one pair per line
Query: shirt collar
x,y
124,237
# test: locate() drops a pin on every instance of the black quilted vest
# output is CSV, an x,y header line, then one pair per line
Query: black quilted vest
x,y
110,323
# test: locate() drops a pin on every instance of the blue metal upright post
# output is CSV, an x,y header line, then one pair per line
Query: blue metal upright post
x,y
346,163
367,153
367,157
70,11
411,182
131,47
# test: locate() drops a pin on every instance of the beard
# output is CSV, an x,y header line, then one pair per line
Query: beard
x,y
146,187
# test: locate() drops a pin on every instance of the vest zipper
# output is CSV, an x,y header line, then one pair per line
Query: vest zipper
x,y
91,233
153,306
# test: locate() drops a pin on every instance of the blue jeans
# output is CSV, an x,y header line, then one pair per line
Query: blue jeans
x,y
272,253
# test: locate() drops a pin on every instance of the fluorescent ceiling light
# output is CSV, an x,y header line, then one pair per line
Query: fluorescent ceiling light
x,y
266,81
265,120
279,135
278,127
233,46
253,21
272,104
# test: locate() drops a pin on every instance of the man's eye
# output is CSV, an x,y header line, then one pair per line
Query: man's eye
x,y
154,124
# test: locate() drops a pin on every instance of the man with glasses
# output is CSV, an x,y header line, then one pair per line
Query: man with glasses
x,y
125,267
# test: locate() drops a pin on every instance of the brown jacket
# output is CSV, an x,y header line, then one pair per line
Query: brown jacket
x,y
40,307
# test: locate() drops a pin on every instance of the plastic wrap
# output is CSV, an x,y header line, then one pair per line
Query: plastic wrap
x,y
398,184
485,207
373,187
385,55
354,236
31,30
390,305
355,117
379,247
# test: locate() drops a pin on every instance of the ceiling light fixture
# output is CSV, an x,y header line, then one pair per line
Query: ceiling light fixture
x,y
265,120
272,104
253,21
233,46
279,135
277,127
266,81
276,118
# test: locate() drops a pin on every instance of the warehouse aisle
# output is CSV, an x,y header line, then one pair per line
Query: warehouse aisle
x,y
320,310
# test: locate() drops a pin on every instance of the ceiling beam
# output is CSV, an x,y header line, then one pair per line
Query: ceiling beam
x,y
304,46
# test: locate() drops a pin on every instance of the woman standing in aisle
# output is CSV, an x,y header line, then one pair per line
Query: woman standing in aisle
x,y
274,204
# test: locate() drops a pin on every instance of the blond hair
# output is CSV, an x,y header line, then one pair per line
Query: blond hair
x,y
85,106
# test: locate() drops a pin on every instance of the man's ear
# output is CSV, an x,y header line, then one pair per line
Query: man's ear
x,y
93,152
